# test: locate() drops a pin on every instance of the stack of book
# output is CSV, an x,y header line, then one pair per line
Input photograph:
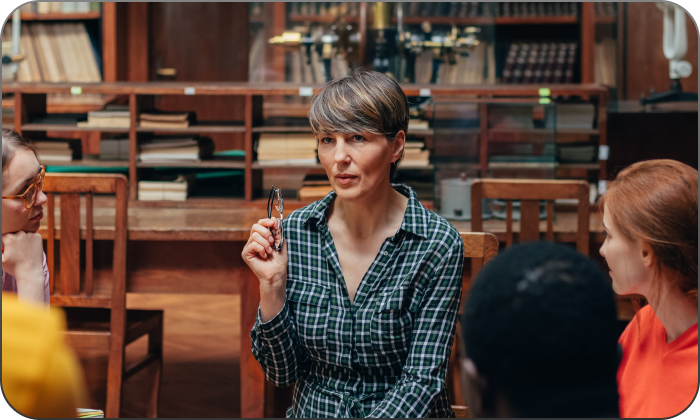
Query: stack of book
x,y
314,188
576,153
576,116
162,119
510,116
176,148
115,148
536,9
305,9
110,116
172,190
8,117
286,149
57,150
414,155
55,52
543,62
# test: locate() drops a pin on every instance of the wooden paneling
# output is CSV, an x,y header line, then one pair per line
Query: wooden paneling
x,y
647,67
587,42
137,41
203,42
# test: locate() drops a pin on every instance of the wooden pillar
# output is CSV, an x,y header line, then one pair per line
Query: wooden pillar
x,y
587,42
137,42
109,42
275,23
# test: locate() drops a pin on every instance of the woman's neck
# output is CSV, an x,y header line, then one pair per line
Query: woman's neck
x,y
675,309
383,208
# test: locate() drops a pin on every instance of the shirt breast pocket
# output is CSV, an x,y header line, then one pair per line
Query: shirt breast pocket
x,y
310,303
392,324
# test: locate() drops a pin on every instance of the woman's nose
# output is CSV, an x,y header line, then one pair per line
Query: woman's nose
x,y
41,199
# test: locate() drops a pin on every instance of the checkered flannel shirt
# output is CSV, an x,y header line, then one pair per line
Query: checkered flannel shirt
x,y
385,355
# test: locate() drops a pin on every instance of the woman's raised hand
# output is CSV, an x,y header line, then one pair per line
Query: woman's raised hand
x,y
269,266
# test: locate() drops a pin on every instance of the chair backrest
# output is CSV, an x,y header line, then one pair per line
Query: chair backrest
x,y
480,247
530,192
69,289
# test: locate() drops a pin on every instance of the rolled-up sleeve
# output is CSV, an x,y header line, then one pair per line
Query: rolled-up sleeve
x,y
276,348
423,375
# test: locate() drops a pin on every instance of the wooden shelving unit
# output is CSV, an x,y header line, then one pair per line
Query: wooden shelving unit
x,y
61,16
30,99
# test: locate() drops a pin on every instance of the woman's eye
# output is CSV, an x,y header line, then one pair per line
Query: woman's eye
x,y
357,137
326,140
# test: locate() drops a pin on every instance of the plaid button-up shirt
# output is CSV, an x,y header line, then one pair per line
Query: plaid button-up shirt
x,y
385,354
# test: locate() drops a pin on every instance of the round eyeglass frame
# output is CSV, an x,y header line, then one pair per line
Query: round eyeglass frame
x,y
38,184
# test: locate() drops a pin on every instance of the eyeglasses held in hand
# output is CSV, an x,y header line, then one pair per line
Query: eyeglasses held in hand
x,y
276,194
32,192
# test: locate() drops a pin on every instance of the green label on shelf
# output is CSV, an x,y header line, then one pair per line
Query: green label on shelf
x,y
545,92
545,100
76,90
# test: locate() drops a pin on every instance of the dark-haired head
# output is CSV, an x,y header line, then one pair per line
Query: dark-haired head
x,y
540,336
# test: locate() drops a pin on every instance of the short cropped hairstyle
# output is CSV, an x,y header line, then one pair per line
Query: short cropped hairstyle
x,y
362,101
540,326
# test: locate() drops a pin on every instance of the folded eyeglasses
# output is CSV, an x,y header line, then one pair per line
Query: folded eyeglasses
x,y
276,194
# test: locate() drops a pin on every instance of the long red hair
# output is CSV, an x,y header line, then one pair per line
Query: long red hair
x,y
656,201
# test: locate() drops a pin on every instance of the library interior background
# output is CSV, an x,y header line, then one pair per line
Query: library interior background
x,y
203,106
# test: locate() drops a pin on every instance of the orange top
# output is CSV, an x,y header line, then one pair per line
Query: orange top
x,y
656,379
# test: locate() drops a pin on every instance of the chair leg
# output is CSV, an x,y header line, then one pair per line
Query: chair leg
x,y
115,377
155,347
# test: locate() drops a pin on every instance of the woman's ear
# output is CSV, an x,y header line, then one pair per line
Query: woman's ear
x,y
648,256
399,143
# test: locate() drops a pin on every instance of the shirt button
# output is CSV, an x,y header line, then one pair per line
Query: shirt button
x,y
386,253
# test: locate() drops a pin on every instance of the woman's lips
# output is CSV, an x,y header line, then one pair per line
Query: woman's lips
x,y
38,217
345,179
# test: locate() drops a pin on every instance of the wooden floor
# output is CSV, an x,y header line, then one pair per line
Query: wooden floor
x,y
200,359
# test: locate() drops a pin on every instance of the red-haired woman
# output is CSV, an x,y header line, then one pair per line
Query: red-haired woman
x,y
650,213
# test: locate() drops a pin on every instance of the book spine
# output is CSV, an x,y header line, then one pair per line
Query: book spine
x,y
510,63
570,61
529,71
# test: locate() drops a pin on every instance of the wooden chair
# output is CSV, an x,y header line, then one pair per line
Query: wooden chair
x,y
98,321
480,248
530,192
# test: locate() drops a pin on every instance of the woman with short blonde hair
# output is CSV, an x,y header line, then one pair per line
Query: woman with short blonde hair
x,y
359,307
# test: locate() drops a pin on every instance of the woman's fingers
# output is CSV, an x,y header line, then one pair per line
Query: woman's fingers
x,y
263,242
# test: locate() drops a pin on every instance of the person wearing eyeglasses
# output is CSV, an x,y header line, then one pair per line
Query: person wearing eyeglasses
x,y
359,306
24,269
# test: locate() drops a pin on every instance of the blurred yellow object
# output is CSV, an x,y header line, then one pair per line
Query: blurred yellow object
x,y
40,374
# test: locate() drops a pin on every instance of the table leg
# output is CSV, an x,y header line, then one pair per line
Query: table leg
x,y
252,378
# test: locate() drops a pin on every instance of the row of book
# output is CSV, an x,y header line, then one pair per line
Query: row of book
x,y
479,66
56,7
448,9
543,62
170,190
537,9
55,52
286,149
605,9
480,9
324,8
308,66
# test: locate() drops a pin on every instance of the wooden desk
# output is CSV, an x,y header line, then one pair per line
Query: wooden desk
x,y
197,251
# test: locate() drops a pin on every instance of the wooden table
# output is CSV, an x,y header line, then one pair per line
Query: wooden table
x,y
198,251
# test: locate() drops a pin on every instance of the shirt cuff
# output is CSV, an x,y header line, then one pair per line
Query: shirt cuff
x,y
273,328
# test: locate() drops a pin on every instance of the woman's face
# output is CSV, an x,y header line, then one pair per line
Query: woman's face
x,y
628,262
19,174
358,163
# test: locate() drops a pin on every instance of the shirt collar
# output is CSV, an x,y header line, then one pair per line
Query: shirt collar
x,y
415,219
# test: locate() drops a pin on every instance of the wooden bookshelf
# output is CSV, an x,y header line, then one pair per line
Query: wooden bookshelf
x,y
445,20
89,162
61,16
293,17
30,99
196,128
